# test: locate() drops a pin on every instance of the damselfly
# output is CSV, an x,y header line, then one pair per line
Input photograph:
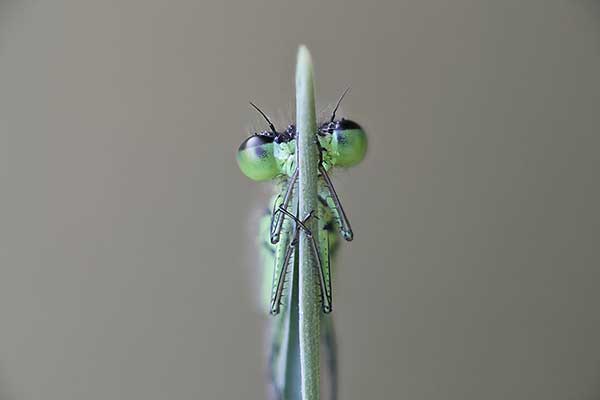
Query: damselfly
x,y
270,155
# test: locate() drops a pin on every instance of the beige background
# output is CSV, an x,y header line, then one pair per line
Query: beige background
x,y
125,254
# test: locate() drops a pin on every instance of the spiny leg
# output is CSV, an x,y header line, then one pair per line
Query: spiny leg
x,y
277,219
278,294
300,224
345,227
325,264
322,280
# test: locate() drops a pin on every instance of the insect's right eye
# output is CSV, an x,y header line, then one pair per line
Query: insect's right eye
x,y
256,158
349,143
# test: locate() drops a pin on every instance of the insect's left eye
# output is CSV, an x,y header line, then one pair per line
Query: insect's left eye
x,y
256,158
349,141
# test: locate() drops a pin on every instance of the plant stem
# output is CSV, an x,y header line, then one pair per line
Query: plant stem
x,y
309,312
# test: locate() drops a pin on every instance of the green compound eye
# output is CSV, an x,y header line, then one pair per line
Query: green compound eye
x,y
349,142
256,158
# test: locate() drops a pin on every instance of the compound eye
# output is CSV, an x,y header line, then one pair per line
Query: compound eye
x,y
349,143
256,158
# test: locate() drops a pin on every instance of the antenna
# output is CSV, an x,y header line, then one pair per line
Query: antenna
x,y
265,117
338,104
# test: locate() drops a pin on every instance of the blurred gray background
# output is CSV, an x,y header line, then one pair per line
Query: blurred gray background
x,y
126,260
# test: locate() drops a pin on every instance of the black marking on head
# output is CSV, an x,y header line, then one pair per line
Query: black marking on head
x,y
291,130
287,136
326,128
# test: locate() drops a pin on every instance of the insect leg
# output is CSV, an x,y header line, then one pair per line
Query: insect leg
x,y
277,220
345,227
324,279
278,294
300,224
327,308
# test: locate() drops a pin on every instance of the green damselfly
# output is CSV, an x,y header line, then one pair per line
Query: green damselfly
x,y
271,155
